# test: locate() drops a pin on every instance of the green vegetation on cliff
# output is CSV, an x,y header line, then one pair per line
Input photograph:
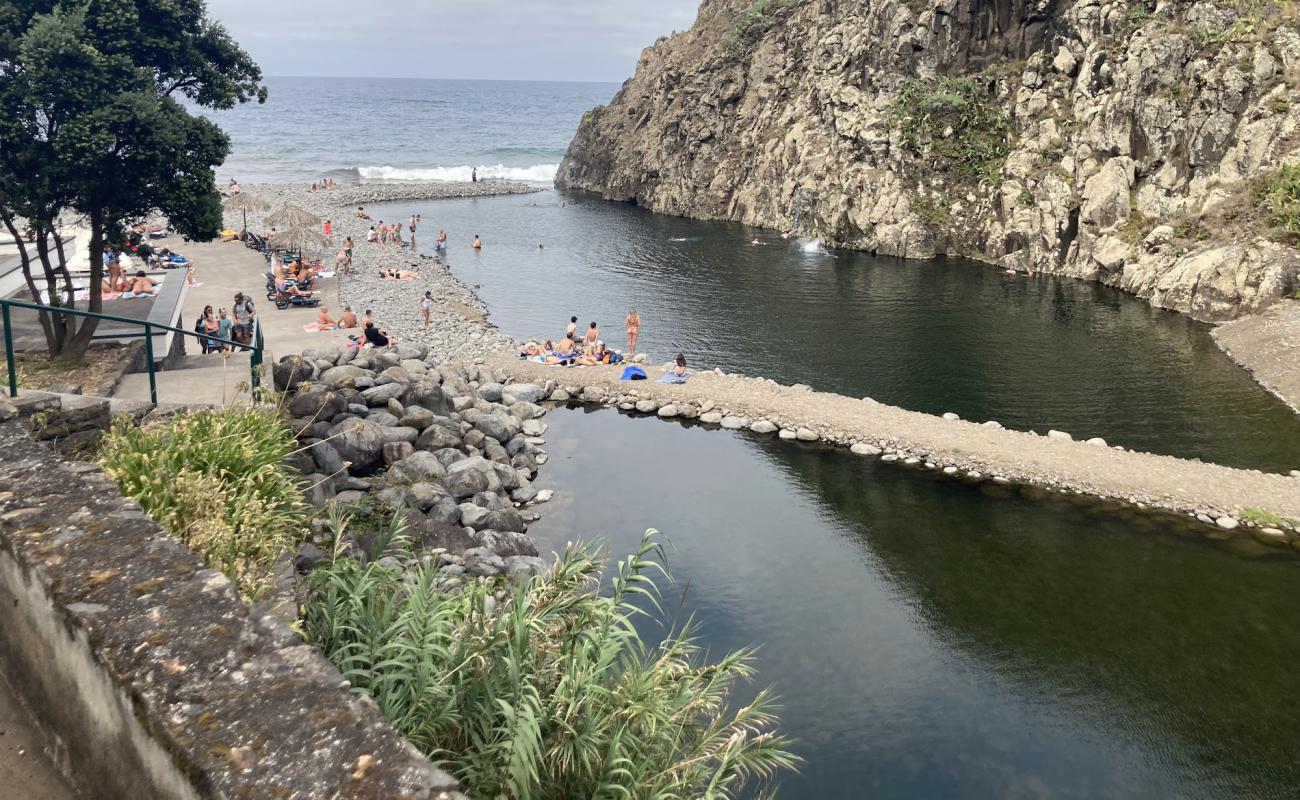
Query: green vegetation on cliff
x,y
754,22
553,692
1277,195
954,121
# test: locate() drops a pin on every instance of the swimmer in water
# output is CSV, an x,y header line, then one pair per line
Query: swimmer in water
x,y
477,244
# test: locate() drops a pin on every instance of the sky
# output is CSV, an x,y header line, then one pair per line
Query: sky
x,y
561,40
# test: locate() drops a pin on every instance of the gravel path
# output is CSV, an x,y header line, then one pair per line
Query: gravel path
x,y
1151,480
1268,346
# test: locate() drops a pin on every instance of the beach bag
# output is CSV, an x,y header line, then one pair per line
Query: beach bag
x,y
633,373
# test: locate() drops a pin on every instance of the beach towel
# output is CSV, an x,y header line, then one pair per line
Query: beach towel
x,y
316,327
324,274
670,377
633,373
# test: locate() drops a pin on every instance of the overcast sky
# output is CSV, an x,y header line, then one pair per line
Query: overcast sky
x,y
571,40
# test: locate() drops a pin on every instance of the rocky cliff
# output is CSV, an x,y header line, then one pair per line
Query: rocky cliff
x,y
1150,146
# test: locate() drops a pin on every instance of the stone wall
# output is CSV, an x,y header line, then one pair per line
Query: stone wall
x,y
150,677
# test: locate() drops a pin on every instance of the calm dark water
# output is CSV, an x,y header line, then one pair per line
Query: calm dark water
x,y
931,641
938,336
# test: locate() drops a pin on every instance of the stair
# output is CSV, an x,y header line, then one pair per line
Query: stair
x,y
208,380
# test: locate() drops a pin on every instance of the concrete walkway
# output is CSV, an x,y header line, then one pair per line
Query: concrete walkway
x,y
1152,480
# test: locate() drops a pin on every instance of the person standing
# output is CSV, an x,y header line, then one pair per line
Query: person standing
x,y
633,329
426,306
244,315
593,335
473,175
572,331
328,228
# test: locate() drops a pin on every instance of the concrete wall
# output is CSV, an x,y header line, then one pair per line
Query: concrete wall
x,y
148,675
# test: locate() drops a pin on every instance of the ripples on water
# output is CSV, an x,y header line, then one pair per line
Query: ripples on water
x,y
929,641
946,335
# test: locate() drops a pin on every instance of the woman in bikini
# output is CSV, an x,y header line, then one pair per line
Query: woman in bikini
x,y
426,306
633,328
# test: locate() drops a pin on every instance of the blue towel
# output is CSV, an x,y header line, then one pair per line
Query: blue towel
x,y
633,373
670,377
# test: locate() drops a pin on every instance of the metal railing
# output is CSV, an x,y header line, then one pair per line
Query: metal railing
x,y
256,344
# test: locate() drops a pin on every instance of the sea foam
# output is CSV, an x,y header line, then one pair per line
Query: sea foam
x,y
538,173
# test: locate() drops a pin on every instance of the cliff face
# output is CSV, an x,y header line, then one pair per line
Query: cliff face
x,y
1143,146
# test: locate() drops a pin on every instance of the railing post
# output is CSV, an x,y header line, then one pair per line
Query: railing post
x,y
148,357
9,352
255,359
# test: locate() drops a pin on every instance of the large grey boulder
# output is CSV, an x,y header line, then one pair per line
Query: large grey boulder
x,y
445,510
326,458
399,434
472,515
337,377
438,437
428,534
522,393
290,371
504,520
397,451
490,392
466,483
448,456
482,561
523,567
526,411
507,543
417,418
491,501
499,426
380,395
421,466
424,495
426,393
393,375
360,442
316,402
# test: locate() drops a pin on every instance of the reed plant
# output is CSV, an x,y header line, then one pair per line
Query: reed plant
x,y
216,480
553,693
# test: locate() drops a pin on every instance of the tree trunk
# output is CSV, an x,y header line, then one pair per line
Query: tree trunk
x,y
63,325
77,347
25,259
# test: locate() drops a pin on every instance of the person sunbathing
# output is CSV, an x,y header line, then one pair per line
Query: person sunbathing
x,y
397,274
347,319
143,285
291,288
324,320
377,337
304,279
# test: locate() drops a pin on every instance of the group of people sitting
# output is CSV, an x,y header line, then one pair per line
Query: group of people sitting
x,y
298,277
348,319
322,185
569,352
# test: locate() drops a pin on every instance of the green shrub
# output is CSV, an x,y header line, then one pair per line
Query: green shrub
x,y
215,480
1277,195
553,695
956,122
753,24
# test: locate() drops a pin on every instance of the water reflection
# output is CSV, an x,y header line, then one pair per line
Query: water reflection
x,y
930,641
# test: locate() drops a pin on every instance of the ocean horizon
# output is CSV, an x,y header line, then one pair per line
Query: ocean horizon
x,y
392,129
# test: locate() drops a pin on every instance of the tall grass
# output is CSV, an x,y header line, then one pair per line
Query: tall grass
x,y
215,479
555,694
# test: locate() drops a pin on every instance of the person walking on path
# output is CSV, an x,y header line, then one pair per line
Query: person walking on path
x,y
426,306
633,328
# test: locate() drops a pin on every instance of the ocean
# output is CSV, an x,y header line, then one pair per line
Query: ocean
x,y
367,129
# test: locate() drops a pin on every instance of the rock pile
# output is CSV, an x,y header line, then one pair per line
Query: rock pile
x,y
449,446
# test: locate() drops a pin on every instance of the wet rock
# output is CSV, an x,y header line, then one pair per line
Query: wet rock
x,y
1227,523
784,433
667,411
864,449
647,406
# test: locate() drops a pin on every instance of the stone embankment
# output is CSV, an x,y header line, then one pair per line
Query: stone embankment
x,y
1227,499
447,445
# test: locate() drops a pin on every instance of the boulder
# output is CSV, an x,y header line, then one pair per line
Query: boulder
x,y
326,457
393,375
317,489
473,515
397,451
466,483
382,418
491,501
490,392
429,534
763,426
316,403
344,375
507,543
448,456
416,417
498,426
422,465
733,423
483,562
396,433
424,495
379,395
360,442
526,411
290,371
522,392
524,567
444,510
533,427
426,393
437,437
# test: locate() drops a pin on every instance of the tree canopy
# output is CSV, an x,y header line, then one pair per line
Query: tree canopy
x,y
96,102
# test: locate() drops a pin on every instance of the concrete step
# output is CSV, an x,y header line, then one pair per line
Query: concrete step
x,y
214,385
236,360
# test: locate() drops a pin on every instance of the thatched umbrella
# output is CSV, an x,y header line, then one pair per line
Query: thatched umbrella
x,y
245,202
293,217
299,239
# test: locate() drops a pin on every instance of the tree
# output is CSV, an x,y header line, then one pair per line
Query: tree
x,y
92,124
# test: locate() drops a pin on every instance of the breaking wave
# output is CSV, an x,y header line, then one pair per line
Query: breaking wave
x,y
538,173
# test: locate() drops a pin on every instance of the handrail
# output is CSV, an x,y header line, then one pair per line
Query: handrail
x,y
256,345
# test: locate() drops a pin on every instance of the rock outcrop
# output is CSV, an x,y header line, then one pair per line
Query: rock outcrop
x,y
1126,143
